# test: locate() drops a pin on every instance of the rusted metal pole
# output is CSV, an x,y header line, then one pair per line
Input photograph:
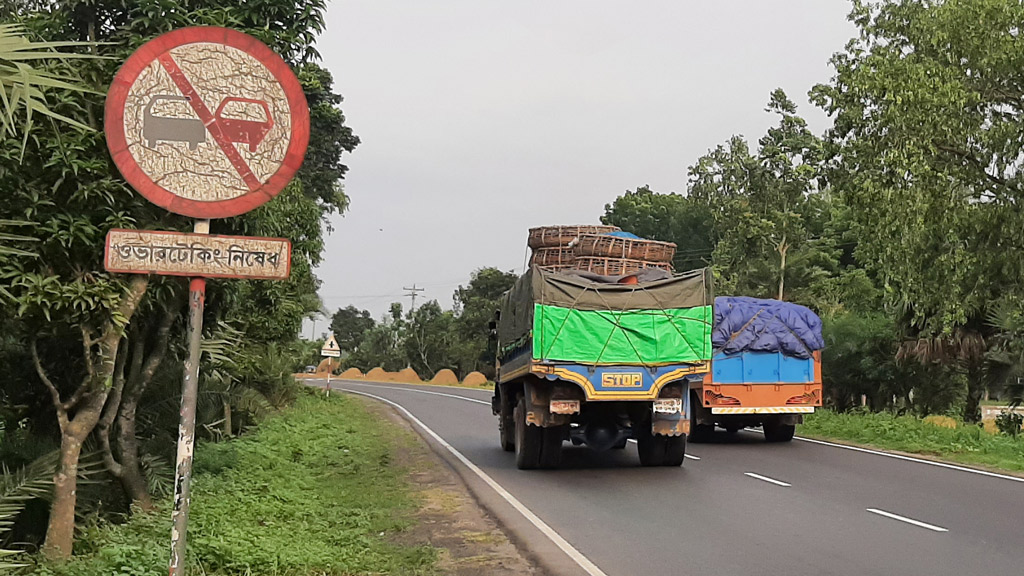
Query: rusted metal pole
x,y
187,426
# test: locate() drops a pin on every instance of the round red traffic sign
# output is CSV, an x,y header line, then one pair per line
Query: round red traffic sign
x,y
206,122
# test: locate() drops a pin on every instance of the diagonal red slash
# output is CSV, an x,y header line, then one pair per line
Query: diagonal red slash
x,y
209,121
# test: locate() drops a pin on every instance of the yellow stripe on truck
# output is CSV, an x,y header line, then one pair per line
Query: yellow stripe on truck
x,y
781,410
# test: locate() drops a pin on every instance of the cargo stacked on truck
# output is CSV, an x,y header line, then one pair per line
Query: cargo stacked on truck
x,y
766,369
596,360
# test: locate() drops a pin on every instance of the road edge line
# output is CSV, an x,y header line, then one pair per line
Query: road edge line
x,y
897,456
582,561
913,459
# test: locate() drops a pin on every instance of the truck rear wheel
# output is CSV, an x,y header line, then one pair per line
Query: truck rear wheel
x,y
528,439
776,432
661,450
506,427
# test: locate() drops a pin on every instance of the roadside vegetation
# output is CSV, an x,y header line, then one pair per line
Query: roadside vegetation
x,y
313,491
942,438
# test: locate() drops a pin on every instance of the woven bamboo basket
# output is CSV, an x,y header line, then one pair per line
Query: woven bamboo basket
x,y
605,246
616,266
555,236
545,257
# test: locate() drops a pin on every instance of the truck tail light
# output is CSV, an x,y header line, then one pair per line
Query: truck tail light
x,y
713,399
808,398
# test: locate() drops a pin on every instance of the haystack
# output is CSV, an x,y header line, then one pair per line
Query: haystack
x,y
474,379
377,374
445,377
406,376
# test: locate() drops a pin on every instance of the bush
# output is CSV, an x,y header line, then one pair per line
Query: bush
x,y
1009,423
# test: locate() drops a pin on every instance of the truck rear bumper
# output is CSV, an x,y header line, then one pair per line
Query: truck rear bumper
x,y
765,410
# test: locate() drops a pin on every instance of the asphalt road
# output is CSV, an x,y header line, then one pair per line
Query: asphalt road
x,y
744,507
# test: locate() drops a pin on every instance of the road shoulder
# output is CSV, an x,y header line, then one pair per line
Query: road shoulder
x,y
470,541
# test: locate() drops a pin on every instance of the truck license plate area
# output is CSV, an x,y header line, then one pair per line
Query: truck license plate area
x,y
564,406
668,405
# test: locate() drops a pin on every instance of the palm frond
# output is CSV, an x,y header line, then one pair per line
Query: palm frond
x,y
17,488
22,85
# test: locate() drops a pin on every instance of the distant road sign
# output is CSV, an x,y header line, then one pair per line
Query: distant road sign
x,y
197,255
206,122
331,348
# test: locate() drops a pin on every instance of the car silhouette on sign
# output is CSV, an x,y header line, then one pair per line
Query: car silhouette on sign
x,y
170,129
243,131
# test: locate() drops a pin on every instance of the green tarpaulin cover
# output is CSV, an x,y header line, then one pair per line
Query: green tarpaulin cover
x,y
622,337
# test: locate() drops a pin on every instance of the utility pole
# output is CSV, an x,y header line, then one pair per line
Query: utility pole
x,y
412,294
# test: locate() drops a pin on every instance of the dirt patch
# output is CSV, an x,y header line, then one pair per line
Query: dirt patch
x,y
474,379
470,542
445,377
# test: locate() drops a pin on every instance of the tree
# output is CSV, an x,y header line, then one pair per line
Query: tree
x,y
67,186
928,103
383,345
431,341
349,325
686,220
770,209
475,305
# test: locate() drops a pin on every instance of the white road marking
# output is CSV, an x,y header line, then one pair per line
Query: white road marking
x,y
911,459
423,392
581,560
906,458
769,480
907,520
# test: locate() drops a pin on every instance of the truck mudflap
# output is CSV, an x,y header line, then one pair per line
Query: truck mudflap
x,y
619,382
676,424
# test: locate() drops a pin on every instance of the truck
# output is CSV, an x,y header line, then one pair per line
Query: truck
x,y
765,369
596,361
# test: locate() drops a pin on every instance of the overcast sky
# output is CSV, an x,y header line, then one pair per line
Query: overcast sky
x,y
482,118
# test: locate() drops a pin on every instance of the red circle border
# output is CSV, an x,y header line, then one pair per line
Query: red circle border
x,y
113,122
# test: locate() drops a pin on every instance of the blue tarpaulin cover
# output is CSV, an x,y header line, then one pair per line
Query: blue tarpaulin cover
x,y
754,325
624,234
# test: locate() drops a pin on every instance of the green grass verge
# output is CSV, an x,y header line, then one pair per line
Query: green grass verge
x,y
966,444
311,492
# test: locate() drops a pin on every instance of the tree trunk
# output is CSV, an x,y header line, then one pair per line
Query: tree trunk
x,y
783,248
975,389
227,416
60,532
132,478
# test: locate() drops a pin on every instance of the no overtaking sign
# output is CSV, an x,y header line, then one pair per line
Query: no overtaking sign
x,y
206,122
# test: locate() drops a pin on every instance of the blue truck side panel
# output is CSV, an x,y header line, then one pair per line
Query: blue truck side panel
x,y
760,368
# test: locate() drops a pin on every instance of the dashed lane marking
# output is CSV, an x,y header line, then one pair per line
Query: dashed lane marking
x,y
931,527
769,480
